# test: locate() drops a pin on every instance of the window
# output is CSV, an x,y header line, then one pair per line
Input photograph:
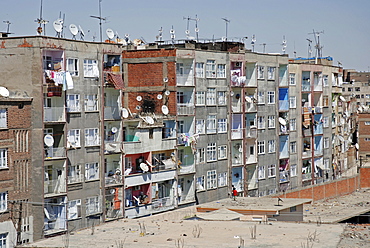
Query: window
x,y
261,122
3,240
199,70
293,170
211,179
367,123
92,205
261,97
3,158
293,147
350,89
91,171
200,126
211,96
326,142
292,102
3,201
74,173
73,103
222,152
200,183
221,71
271,121
292,124
200,98
74,209
3,119
222,125
222,179
271,97
261,172
326,101
261,147
325,121
72,67
325,81
211,152
221,95
91,103
211,69
261,72
326,164
271,146
200,156
270,73
211,124
92,137
292,79
179,69
73,137
357,89
271,170
91,68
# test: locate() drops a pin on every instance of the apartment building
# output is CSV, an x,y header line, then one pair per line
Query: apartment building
x,y
356,84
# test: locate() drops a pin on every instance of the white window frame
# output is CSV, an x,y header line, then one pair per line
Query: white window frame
x,y
261,147
271,170
222,152
91,171
91,68
211,68
325,80
325,121
200,97
180,69
4,240
271,121
261,97
3,158
327,164
91,103
3,118
211,179
293,170
211,96
293,124
260,72
73,103
199,69
271,73
292,102
271,146
201,183
211,124
200,155
326,142
221,71
293,147
222,125
73,137
221,97
93,205
261,172
261,123
292,80
200,126
222,179
72,67
92,137
271,97
74,209
211,152
3,201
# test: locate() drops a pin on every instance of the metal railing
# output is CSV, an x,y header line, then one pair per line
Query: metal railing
x,y
55,152
185,108
54,114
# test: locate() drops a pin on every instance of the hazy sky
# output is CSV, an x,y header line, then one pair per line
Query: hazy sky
x,y
346,24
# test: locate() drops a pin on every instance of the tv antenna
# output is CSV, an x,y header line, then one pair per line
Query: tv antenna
x,y
8,24
309,48
41,22
100,20
253,42
173,36
283,45
227,21
160,35
82,33
187,31
318,46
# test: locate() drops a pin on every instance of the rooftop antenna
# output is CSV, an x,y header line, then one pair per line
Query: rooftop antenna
x,y
196,27
41,22
173,36
264,47
294,52
82,33
100,21
283,45
253,42
318,46
309,48
159,36
7,23
227,21
187,31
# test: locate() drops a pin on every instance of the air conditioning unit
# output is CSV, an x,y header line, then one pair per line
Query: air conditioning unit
x,y
238,64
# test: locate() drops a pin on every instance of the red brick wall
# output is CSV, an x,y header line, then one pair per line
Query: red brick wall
x,y
365,177
364,132
149,53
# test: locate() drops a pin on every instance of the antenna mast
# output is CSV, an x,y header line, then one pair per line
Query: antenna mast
x,y
187,32
253,42
227,21
318,46
100,20
7,23
41,21
309,48
283,45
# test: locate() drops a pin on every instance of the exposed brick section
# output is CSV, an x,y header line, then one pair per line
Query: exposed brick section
x,y
149,53
365,177
364,132
145,75
25,44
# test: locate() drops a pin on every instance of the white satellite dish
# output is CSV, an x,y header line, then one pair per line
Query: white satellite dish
x,y
165,79
172,31
342,98
167,92
73,29
223,38
144,167
125,113
138,107
110,33
187,32
139,98
159,96
49,140
248,99
282,121
165,110
4,91
149,120
58,25
114,130
197,30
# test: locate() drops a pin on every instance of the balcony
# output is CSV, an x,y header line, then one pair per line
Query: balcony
x,y
112,180
54,152
163,204
76,179
283,105
284,176
306,176
54,114
237,133
251,133
144,178
55,186
112,146
185,108
112,113
187,80
55,215
306,86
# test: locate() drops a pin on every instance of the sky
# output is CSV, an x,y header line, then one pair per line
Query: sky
x,y
344,25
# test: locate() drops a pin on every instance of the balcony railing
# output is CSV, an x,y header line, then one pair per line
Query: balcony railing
x,y
111,113
284,176
185,80
236,133
55,186
306,87
55,152
162,204
251,133
115,179
306,176
54,114
185,108
76,179
283,105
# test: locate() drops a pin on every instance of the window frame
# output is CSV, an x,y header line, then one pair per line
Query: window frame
x,y
211,68
3,118
293,170
73,68
211,179
261,97
222,125
77,137
4,158
200,123
261,172
94,100
271,146
222,152
3,201
200,97
221,98
222,179
211,124
293,147
90,67
292,79
270,97
260,72
271,72
73,105
96,137
261,147
271,121
293,124
93,166
211,97
199,69
271,170
201,182
292,102
221,70
211,152
78,207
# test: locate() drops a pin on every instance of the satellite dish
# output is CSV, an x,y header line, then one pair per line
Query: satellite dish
x,y
248,99
114,130
73,29
144,167
139,98
49,140
232,93
112,191
58,25
110,33
165,110
167,92
165,79
138,107
282,121
197,30
4,91
124,113
342,98
187,32
223,38
159,96
149,120
172,31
